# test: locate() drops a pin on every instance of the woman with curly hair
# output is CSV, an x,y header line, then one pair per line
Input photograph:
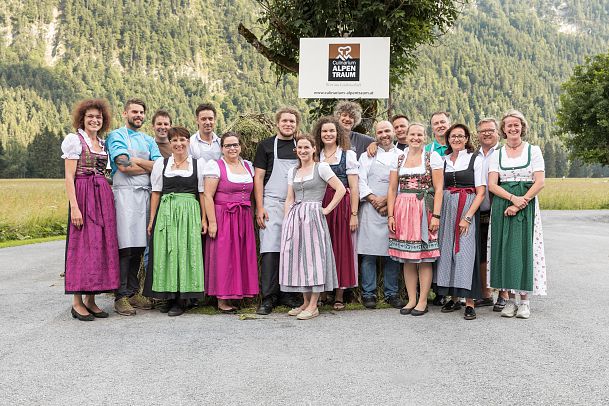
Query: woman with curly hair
x,y
92,264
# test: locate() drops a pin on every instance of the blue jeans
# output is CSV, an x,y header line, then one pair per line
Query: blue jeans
x,y
391,271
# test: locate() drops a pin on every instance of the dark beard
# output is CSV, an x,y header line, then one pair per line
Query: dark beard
x,y
133,125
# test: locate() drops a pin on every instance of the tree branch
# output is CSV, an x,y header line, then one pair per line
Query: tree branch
x,y
282,61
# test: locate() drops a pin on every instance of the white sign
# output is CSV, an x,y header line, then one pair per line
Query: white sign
x,y
344,68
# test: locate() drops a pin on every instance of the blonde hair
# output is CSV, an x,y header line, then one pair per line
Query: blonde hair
x,y
516,114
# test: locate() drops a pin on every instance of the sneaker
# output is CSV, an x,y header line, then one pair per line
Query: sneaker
x,y
140,302
499,304
510,309
123,307
369,302
395,302
524,311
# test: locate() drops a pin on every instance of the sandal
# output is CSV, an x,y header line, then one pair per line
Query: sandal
x,y
338,305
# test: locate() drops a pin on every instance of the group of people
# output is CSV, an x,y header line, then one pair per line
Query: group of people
x,y
456,219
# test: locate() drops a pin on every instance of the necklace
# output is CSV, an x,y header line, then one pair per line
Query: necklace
x,y
514,148
331,155
177,164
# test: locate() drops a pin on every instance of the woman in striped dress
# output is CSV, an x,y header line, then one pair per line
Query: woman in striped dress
x,y
306,259
458,268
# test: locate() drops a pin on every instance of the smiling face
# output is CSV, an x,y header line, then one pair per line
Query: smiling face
x,y
328,134
439,124
457,139
231,147
384,134
488,136
346,121
206,123
304,150
93,120
415,136
512,128
134,115
400,126
287,125
179,144
161,125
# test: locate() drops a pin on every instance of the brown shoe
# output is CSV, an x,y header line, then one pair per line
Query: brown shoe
x,y
123,307
140,302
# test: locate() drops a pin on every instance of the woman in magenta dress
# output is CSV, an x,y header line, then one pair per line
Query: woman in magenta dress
x,y
335,149
92,264
230,253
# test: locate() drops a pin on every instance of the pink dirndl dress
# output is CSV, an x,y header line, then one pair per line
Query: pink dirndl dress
x,y
92,264
413,241
231,263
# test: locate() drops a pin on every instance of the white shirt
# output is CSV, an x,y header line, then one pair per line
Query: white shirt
x,y
462,163
537,162
386,158
203,149
72,149
156,176
351,164
212,170
435,162
486,203
325,172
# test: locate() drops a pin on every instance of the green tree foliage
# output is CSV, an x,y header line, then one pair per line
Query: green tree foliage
x,y
41,164
179,53
583,116
409,24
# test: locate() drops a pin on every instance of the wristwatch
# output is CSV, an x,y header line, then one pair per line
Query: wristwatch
x,y
468,219
354,213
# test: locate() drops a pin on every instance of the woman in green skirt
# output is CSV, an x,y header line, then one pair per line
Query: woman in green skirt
x,y
175,272
516,260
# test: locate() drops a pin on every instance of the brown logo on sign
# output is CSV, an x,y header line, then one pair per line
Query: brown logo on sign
x,y
344,62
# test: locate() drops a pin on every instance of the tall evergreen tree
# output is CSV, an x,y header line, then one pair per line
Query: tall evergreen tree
x,y
43,156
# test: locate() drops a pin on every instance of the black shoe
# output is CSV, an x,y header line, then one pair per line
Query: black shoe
x,y
451,306
438,300
406,310
485,301
99,315
76,315
395,302
165,306
499,304
369,302
176,310
470,313
266,307
415,312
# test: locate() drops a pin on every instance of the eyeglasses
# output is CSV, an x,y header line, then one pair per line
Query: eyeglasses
x,y
457,137
229,146
92,116
484,132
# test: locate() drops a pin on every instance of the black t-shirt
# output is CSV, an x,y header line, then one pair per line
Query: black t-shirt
x,y
401,146
265,155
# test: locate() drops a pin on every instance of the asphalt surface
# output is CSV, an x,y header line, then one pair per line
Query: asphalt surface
x,y
558,356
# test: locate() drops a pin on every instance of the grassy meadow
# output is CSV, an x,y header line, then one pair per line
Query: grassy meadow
x,y
37,208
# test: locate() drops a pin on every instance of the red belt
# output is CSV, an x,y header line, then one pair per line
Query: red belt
x,y
463,192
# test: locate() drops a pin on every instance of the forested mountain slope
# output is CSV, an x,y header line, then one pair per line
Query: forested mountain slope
x,y
177,53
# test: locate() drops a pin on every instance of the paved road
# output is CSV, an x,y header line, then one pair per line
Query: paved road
x,y
559,356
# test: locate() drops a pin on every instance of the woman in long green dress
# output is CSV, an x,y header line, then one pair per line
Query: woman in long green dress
x,y
516,260
176,269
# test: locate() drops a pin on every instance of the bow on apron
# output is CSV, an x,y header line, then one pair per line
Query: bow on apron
x,y
517,189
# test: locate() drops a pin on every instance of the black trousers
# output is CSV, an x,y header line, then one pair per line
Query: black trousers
x,y
269,275
129,260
